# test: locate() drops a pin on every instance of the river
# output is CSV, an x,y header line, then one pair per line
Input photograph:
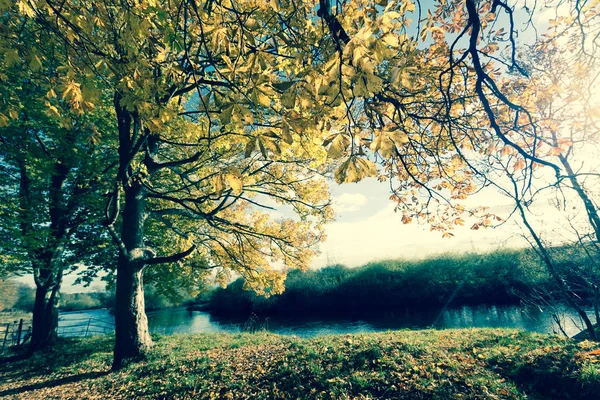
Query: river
x,y
179,320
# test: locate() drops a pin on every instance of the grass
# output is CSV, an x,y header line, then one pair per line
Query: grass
x,y
430,364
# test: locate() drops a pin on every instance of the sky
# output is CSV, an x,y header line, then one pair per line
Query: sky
x,y
367,229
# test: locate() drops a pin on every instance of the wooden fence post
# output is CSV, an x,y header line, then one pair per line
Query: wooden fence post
x,y
5,337
87,328
19,331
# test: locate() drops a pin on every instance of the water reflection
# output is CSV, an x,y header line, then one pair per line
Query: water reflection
x,y
170,321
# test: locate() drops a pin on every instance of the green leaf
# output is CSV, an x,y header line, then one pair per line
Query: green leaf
x,y
225,116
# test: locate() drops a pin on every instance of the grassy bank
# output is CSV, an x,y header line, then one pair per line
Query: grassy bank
x,y
466,364
491,278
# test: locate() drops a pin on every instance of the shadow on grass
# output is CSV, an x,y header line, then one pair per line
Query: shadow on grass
x,y
54,383
19,356
64,353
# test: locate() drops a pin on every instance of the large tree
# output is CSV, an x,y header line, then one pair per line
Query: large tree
x,y
477,113
559,94
536,107
210,134
50,164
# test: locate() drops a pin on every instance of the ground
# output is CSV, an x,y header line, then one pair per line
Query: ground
x,y
429,364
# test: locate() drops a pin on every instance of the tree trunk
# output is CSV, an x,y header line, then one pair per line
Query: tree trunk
x,y
555,274
45,317
132,338
590,208
47,264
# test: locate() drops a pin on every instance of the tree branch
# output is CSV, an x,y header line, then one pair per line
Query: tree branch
x,y
172,258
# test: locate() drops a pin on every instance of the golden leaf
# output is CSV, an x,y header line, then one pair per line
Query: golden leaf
x,y
235,183
519,165
218,185
507,150
338,146
286,135
554,151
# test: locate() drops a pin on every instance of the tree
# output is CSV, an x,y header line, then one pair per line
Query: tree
x,y
532,121
475,124
561,99
48,156
208,131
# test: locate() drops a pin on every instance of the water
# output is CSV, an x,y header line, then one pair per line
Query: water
x,y
178,320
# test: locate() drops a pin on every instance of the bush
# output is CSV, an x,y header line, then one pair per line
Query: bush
x,y
26,298
392,284
154,300
86,301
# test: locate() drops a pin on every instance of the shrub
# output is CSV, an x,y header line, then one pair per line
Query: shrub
x,y
391,284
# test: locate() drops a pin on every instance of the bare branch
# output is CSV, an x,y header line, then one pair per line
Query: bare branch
x,y
172,258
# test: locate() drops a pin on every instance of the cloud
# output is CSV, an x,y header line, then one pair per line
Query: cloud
x,y
349,202
384,236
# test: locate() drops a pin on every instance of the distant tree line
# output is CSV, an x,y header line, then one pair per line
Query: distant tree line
x,y
18,296
500,277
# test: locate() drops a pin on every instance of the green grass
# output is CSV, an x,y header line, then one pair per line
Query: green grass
x,y
431,364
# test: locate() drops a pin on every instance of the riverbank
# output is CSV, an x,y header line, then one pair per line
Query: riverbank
x,y
468,364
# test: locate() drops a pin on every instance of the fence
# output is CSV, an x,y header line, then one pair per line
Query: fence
x,y
19,332
82,327
15,333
